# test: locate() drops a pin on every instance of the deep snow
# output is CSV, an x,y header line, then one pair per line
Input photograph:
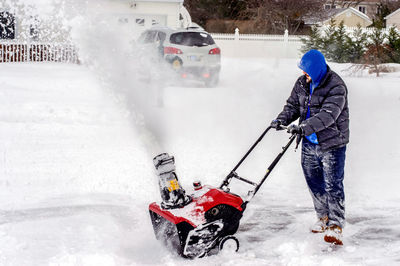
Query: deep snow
x,y
77,175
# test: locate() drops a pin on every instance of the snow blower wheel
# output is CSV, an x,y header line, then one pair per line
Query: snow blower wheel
x,y
229,244
204,222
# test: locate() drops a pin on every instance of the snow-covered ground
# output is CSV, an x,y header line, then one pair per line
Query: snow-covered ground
x,y
76,172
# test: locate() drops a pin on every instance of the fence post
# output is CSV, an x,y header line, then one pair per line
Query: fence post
x,y
236,42
236,34
285,42
28,50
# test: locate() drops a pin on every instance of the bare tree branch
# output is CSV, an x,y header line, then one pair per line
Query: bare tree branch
x,y
278,15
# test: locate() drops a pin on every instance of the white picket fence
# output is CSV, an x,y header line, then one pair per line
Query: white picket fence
x,y
259,45
232,45
266,46
11,52
257,37
352,29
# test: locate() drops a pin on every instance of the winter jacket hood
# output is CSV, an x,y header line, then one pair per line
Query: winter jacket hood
x,y
314,64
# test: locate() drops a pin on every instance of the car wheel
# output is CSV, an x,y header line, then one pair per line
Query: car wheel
x,y
176,64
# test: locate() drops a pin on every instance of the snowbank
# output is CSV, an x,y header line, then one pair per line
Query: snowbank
x,y
77,174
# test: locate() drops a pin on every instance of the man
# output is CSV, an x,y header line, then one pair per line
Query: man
x,y
319,100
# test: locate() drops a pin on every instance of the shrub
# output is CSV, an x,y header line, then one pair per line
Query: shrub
x,y
370,50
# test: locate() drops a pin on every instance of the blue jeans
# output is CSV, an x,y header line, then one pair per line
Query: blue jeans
x,y
324,173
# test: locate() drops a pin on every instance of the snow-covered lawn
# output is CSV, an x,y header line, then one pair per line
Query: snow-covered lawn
x,y
76,172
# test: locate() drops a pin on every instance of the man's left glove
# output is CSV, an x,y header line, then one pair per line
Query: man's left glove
x,y
295,129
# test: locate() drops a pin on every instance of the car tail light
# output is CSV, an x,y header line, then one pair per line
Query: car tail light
x,y
215,51
172,50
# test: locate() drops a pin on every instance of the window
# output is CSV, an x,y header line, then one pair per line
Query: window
x,y
7,25
192,39
34,33
161,37
362,9
140,21
123,20
34,29
148,37
327,7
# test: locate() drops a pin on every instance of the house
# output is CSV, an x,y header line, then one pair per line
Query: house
x,y
39,30
21,22
138,15
393,19
368,7
42,21
351,17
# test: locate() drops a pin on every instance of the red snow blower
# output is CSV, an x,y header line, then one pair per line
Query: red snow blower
x,y
206,221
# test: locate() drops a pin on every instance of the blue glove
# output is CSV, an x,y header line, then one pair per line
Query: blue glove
x,y
295,129
276,124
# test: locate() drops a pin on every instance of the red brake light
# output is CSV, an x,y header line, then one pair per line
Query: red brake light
x,y
172,50
215,51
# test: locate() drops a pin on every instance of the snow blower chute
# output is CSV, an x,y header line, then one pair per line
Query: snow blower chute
x,y
206,221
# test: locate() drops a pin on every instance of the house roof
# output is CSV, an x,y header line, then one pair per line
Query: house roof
x,y
392,14
332,13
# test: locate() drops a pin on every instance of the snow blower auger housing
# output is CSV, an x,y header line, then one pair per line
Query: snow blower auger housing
x,y
204,222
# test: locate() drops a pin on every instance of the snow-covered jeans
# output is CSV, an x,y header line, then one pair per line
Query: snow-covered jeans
x,y
324,173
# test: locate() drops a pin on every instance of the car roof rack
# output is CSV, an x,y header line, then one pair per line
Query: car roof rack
x,y
194,26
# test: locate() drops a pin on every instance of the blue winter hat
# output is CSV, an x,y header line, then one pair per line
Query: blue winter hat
x,y
314,64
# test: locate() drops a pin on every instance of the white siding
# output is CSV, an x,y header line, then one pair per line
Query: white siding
x,y
394,21
169,10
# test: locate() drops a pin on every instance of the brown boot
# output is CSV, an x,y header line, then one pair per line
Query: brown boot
x,y
320,225
334,235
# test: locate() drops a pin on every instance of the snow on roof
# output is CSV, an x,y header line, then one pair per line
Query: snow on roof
x,y
392,14
339,11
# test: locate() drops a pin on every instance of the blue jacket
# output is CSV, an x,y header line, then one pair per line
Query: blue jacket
x,y
328,107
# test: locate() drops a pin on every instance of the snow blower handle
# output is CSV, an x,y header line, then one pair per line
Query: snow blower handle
x,y
233,174
251,149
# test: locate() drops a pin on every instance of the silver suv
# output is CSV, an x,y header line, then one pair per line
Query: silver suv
x,y
191,52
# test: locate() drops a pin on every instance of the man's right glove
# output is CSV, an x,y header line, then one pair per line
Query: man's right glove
x,y
295,129
276,124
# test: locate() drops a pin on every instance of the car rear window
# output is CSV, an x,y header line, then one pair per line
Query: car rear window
x,y
191,39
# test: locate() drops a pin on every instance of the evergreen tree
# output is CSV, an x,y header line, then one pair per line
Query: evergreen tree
x,y
376,54
328,41
393,44
313,41
341,49
356,44
379,20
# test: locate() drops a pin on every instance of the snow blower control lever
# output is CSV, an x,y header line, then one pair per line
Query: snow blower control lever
x,y
225,184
